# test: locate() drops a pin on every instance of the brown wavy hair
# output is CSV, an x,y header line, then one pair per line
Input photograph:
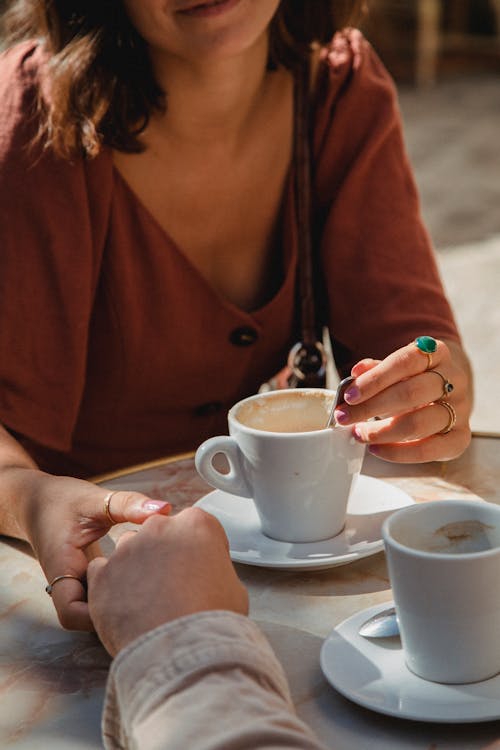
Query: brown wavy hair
x,y
102,85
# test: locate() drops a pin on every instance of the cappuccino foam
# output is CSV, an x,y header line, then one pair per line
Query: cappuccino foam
x,y
299,411
457,537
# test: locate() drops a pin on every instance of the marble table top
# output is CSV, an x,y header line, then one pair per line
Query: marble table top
x,y
52,681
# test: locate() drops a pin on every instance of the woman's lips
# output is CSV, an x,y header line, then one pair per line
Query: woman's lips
x,y
211,8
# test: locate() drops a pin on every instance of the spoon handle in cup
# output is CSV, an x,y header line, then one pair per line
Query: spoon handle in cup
x,y
339,398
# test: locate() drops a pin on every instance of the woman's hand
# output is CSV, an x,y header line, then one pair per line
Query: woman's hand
x,y
171,567
63,518
407,398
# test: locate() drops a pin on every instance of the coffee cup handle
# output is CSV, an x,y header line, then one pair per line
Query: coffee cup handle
x,y
234,481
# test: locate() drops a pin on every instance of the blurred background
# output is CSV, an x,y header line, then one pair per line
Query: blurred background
x,y
445,58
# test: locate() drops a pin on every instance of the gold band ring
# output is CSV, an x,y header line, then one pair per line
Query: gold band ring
x,y
107,511
426,345
447,386
50,586
452,414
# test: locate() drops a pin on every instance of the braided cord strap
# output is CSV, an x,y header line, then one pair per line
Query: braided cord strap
x,y
307,358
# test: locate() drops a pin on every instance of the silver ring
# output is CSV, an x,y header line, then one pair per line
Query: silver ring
x,y
51,585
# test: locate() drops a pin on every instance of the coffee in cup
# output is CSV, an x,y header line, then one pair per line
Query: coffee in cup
x,y
444,567
287,411
299,473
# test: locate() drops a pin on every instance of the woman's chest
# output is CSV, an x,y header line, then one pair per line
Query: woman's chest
x,y
222,213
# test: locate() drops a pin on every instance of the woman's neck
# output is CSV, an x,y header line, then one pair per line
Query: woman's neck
x,y
211,100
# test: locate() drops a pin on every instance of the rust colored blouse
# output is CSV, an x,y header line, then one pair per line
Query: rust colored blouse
x,y
113,348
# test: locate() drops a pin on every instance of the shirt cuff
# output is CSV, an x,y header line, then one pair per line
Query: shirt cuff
x,y
165,659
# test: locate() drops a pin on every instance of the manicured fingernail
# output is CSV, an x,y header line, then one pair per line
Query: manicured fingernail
x,y
357,435
352,395
154,505
342,416
374,449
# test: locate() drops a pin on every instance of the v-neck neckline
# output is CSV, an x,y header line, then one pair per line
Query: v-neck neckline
x,y
286,238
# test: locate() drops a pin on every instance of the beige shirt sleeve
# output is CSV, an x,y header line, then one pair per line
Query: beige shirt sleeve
x,y
207,681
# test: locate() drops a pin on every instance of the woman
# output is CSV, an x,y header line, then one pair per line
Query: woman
x,y
148,250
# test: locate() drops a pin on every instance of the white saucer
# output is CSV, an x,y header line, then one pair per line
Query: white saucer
x,y
371,502
373,673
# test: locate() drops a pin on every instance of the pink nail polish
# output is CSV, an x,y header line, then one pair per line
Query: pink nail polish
x,y
357,435
374,449
352,395
154,505
342,416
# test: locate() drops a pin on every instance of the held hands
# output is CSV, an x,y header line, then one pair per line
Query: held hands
x,y
170,568
66,517
407,392
422,402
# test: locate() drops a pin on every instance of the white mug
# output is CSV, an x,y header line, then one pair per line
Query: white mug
x,y
299,473
444,567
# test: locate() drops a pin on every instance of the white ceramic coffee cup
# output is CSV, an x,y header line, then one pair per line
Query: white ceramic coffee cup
x,y
300,481
444,568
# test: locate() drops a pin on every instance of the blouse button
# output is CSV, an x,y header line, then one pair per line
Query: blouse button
x,y
206,410
244,336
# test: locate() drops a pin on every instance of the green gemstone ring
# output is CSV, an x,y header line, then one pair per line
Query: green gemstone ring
x,y
426,345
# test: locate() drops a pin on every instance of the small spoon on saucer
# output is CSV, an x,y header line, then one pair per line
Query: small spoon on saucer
x,y
339,398
382,625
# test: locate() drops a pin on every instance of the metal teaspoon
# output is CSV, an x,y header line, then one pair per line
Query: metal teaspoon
x,y
339,398
382,625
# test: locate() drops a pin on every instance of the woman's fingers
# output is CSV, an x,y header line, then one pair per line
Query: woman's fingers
x,y
74,615
400,365
363,366
414,405
401,397
69,597
120,506
421,423
435,448
80,523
